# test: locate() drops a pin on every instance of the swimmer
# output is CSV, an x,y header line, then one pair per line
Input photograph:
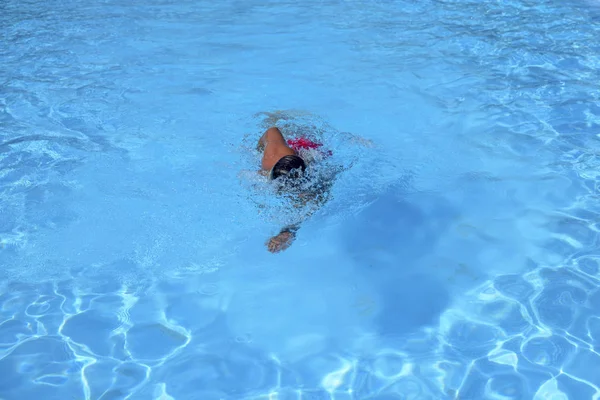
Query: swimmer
x,y
281,159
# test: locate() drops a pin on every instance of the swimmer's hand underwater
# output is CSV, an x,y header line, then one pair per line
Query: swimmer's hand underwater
x,y
281,241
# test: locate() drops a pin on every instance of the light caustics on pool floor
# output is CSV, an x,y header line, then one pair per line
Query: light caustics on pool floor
x,y
457,259
532,335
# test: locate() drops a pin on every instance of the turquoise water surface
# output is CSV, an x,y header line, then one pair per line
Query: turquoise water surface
x,y
457,256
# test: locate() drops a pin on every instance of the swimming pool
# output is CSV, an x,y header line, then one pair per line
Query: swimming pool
x,y
456,259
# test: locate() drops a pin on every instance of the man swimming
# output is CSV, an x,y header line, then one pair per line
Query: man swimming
x,y
281,161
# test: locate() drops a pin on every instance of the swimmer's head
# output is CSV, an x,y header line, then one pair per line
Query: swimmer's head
x,y
289,167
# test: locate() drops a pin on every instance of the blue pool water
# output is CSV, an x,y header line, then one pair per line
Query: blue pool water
x,y
457,257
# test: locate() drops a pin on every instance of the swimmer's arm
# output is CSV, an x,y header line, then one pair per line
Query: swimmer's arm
x,y
285,237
